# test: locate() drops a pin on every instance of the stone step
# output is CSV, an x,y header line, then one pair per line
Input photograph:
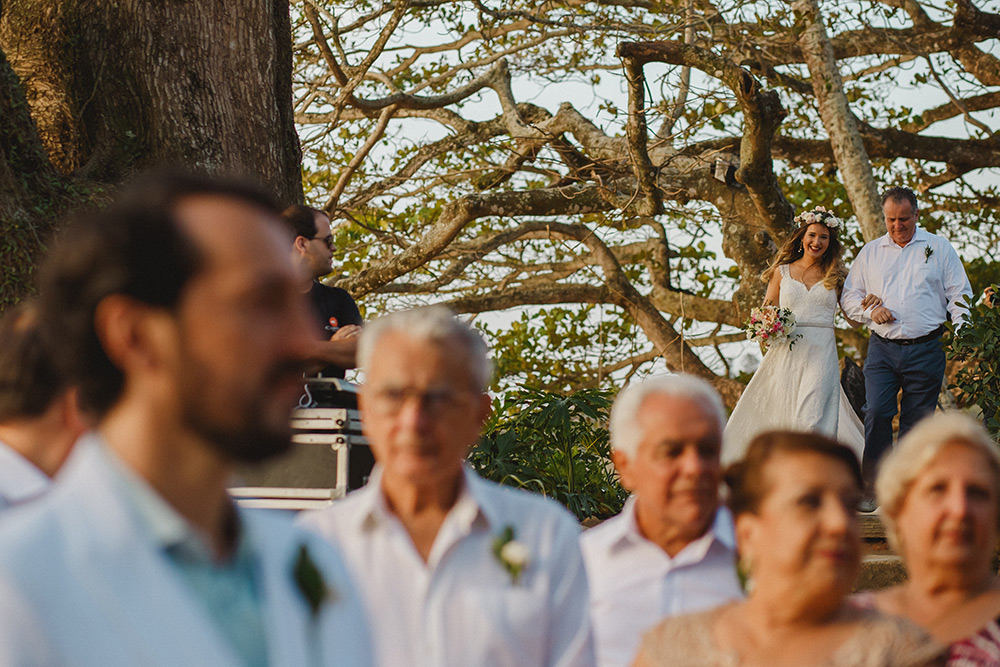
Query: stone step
x,y
872,530
880,571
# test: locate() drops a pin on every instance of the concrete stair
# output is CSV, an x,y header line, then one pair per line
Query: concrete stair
x,y
880,565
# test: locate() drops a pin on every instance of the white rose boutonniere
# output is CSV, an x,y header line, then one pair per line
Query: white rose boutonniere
x,y
928,251
511,554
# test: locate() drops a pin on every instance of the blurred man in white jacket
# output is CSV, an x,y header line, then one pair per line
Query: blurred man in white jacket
x,y
39,416
178,313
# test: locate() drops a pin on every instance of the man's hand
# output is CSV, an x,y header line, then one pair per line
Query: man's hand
x,y
340,350
881,315
870,301
346,332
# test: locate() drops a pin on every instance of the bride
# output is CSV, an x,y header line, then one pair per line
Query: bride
x,y
798,386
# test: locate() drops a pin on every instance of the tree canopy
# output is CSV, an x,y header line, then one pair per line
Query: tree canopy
x,y
613,176
600,182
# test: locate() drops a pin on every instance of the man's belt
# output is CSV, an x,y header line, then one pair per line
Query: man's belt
x,y
913,341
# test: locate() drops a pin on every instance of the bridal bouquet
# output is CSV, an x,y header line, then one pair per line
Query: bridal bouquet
x,y
771,324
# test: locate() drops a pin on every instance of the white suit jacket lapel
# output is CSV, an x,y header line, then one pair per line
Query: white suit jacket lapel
x,y
130,581
286,614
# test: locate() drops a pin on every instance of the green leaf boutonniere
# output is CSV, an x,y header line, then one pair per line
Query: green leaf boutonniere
x,y
928,251
310,581
510,553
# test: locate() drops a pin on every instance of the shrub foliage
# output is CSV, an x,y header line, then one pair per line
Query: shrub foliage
x,y
977,346
553,444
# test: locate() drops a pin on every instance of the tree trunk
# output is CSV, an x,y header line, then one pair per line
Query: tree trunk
x,y
119,86
29,190
115,87
848,149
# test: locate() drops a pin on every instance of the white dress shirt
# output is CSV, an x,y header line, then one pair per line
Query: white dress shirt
x,y
634,583
20,479
920,283
461,608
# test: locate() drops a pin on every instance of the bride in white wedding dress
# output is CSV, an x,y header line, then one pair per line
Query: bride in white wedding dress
x,y
798,387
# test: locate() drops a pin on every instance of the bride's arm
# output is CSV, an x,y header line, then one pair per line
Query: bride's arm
x,y
870,300
772,298
854,325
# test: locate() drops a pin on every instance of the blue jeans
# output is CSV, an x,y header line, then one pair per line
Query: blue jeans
x,y
917,369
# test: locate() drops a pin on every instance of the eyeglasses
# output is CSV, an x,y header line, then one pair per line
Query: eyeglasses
x,y
434,402
328,240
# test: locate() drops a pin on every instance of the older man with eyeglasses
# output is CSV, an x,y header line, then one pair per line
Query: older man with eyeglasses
x,y
337,314
454,570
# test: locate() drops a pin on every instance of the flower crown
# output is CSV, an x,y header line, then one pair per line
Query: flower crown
x,y
819,215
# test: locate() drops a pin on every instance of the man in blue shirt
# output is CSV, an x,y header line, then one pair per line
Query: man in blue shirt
x,y
39,416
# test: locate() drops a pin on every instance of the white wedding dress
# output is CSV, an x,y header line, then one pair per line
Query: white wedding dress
x,y
798,387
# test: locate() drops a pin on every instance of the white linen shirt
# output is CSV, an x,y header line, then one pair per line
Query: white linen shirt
x,y
634,583
20,479
918,288
461,608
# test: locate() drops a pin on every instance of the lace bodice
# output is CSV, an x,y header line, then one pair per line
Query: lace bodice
x,y
814,306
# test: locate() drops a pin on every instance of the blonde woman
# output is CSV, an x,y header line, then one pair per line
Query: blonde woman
x,y
797,386
939,490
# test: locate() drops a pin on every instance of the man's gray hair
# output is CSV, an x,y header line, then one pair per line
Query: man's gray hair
x,y
914,452
437,324
625,432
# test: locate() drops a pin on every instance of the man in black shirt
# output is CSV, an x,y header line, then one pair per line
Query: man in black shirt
x,y
335,310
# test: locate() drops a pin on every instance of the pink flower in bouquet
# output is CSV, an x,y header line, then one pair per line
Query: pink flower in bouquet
x,y
771,323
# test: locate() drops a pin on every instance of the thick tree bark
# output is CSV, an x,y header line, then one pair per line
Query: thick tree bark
x,y
838,120
118,86
30,190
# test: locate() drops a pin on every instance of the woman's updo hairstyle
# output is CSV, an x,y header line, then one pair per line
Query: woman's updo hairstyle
x,y
747,480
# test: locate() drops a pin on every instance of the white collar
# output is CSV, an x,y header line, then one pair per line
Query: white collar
x,y
165,526
625,531
919,236
472,505
20,479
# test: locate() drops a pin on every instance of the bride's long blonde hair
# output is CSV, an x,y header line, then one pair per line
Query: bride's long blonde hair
x,y
834,271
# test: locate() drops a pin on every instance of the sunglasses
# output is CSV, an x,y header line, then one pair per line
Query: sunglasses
x,y
328,240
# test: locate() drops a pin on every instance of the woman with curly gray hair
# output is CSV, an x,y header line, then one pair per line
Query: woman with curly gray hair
x,y
939,490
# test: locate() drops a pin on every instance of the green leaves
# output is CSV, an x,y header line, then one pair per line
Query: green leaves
x,y
976,345
555,444
310,581
559,348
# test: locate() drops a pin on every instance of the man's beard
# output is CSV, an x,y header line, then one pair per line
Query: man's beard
x,y
249,439
250,444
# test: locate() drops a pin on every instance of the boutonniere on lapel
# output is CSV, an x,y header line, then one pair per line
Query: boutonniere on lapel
x,y
510,553
310,581
928,251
